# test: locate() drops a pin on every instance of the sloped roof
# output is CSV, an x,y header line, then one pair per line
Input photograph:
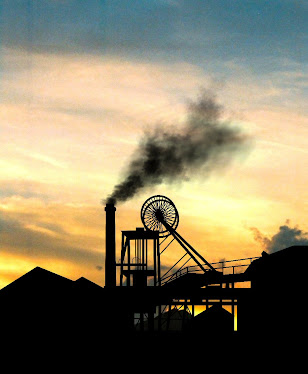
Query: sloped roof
x,y
213,320
290,259
293,253
37,280
215,311
85,284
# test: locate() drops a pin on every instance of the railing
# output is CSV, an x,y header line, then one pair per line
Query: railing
x,y
220,266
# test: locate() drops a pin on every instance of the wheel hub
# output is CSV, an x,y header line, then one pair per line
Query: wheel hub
x,y
159,213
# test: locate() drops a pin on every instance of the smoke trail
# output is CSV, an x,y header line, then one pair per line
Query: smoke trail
x,y
203,144
286,236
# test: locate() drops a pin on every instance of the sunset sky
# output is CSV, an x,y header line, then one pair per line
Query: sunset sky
x,y
82,80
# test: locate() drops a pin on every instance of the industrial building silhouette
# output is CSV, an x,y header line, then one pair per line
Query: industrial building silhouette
x,y
142,304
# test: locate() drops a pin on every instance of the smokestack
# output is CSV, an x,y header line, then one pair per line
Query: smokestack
x,y
110,250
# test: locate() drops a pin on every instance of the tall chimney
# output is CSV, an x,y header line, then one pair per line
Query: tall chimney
x,y
110,250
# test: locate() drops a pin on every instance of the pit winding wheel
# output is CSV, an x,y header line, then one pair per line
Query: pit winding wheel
x,y
159,213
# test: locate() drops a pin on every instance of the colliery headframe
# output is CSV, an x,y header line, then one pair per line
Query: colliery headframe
x,y
247,296
240,299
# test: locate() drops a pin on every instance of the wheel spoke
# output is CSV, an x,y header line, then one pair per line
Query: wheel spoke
x,y
151,210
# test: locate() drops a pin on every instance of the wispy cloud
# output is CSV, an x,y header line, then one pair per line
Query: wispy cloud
x,y
41,157
24,188
36,232
95,84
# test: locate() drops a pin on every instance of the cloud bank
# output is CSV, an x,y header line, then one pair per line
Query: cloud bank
x,y
286,236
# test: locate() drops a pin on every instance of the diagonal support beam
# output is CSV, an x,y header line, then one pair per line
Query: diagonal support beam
x,y
188,248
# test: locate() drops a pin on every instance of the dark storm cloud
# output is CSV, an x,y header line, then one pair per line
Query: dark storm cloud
x,y
203,145
286,236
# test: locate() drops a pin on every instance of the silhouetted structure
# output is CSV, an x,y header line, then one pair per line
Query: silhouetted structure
x,y
37,303
44,307
214,321
275,305
47,306
110,252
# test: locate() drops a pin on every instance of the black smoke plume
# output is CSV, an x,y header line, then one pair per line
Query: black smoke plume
x,y
172,154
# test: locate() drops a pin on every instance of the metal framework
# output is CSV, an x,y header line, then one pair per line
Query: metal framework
x,y
224,294
159,214
140,258
140,267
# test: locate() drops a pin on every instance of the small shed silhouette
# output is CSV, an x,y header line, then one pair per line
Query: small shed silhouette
x,y
214,321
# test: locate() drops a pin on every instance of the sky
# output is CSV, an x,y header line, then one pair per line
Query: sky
x,y
83,81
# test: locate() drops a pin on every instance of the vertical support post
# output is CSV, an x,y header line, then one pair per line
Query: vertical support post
x,y
232,305
184,314
168,317
154,259
143,255
146,255
158,262
122,260
128,264
110,262
233,312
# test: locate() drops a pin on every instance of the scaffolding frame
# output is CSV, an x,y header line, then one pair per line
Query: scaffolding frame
x,y
137,264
